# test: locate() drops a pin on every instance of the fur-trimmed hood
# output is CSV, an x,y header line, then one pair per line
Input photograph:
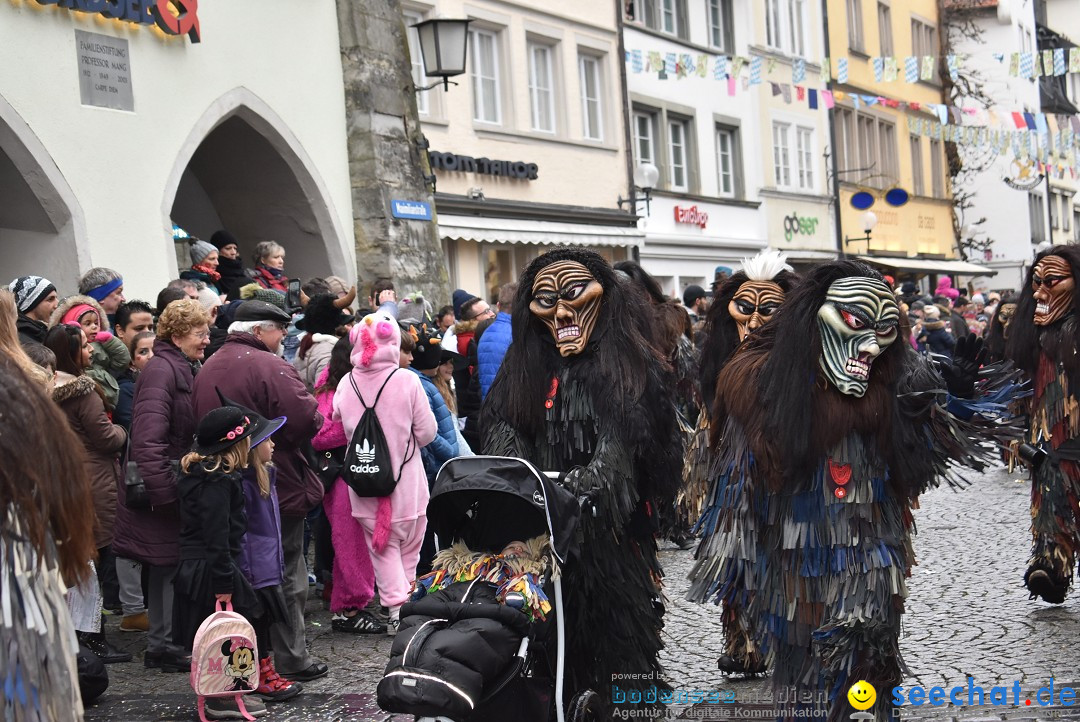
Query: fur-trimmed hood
x,y
463,327
78,299
71,387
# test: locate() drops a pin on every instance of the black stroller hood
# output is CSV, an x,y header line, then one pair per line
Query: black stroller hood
x,y
490,501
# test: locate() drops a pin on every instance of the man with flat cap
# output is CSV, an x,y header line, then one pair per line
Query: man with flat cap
x,y
248,370
36,299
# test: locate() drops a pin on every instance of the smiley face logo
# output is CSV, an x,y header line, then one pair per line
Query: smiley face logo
x,y
862,695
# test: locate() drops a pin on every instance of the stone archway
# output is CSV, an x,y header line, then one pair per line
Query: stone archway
x,y
243,170
42,228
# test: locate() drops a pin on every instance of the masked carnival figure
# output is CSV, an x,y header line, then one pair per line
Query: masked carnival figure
x,y
581,391
745,302
997,334
1043,342
827,426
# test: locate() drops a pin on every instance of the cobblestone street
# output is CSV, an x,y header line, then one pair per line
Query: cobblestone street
x,y
968,615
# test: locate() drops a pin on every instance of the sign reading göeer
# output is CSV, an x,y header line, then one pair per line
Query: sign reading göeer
x,y
104,71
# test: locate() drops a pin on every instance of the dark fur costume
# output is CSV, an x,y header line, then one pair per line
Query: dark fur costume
x,y
611,414
1051,357
721,339
818,573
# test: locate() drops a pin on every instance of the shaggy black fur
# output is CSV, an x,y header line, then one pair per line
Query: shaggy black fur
x,y
1059,340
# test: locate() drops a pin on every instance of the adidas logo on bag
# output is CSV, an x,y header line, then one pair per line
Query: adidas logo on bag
x,y
366,453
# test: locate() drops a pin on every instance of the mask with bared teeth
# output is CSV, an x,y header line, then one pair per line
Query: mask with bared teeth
x,y
566,297
858,321
1052,286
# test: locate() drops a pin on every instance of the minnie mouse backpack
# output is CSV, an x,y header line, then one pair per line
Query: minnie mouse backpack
x,y
224,659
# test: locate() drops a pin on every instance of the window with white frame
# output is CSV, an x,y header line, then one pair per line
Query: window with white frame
x,y
542,86
720,24
937,169
667,16
804,156
781,144
924,42
1036,217
727,160
645,137
678,172
592,110
855,25
785,26
423,101
866,146
484,68
917,182
884,22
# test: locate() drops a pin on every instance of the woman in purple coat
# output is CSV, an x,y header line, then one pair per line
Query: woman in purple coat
x,y
162,427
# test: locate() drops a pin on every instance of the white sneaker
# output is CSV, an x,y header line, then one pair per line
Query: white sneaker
x,y
226,707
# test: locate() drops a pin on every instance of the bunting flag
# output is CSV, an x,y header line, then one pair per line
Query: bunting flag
x,y
720,70
636,64
755,70
953,64
1059,61
669,63
1074,60
911,69
1026,65
892,70
879,69
798,70
842,70
828,98
811,100
825,74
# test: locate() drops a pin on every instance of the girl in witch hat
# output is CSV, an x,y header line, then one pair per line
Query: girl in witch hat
x,y
213,524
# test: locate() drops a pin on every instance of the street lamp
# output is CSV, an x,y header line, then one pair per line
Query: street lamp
x,y
444,47
867,220
646,176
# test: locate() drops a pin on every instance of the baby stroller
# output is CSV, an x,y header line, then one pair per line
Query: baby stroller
x,y
461,655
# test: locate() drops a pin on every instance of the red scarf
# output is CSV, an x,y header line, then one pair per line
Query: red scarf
x,y
268,279
210,272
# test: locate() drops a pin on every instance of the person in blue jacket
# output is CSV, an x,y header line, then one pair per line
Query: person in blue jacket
x,y
496,339
425,363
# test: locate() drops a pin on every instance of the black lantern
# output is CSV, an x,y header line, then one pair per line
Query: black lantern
x,y
444,45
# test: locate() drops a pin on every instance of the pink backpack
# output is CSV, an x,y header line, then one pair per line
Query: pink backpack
x,y
224,659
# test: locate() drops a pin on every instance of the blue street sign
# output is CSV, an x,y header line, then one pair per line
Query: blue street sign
x,y
411,210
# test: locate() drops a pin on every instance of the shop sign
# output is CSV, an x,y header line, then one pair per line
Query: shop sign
x,y
468,164
173,17
793,226
691,216
411,210
104,71
1022,176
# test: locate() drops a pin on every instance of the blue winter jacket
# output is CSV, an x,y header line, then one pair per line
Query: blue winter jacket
x,y
491,349
444,446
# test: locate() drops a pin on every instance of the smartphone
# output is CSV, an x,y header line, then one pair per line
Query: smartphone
x,y
292,298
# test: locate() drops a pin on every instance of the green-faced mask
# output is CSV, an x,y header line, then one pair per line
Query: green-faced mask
x,y
858,321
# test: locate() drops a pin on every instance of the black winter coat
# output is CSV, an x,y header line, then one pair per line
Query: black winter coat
x,y
454,648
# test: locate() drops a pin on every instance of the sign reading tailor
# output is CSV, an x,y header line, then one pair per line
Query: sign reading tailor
x,y
104,71
468,164
793,225
173,17
691,216
411,210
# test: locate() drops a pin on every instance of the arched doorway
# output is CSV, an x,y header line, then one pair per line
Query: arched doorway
x,y
243,170
42,231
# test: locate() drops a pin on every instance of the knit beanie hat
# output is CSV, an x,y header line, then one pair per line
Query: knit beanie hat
x,y
30,291
255,292
199,251
460,297
932,312
223,238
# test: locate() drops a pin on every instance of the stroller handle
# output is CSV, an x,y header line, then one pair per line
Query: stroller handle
x,y
584,501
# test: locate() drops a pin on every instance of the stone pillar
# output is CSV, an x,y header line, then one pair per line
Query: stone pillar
x,y
385,158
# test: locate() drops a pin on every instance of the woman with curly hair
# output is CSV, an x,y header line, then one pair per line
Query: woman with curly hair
x,y
46,539
162,426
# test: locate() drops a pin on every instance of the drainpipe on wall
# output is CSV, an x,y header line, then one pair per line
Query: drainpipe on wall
x,y
627,136
831,115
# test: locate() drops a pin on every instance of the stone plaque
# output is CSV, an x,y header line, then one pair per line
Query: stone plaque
x,y
104,71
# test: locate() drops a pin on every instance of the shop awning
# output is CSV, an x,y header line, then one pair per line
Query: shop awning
x,y
517,230
925,265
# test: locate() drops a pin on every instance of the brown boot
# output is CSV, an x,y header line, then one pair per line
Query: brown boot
x,y
135,623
